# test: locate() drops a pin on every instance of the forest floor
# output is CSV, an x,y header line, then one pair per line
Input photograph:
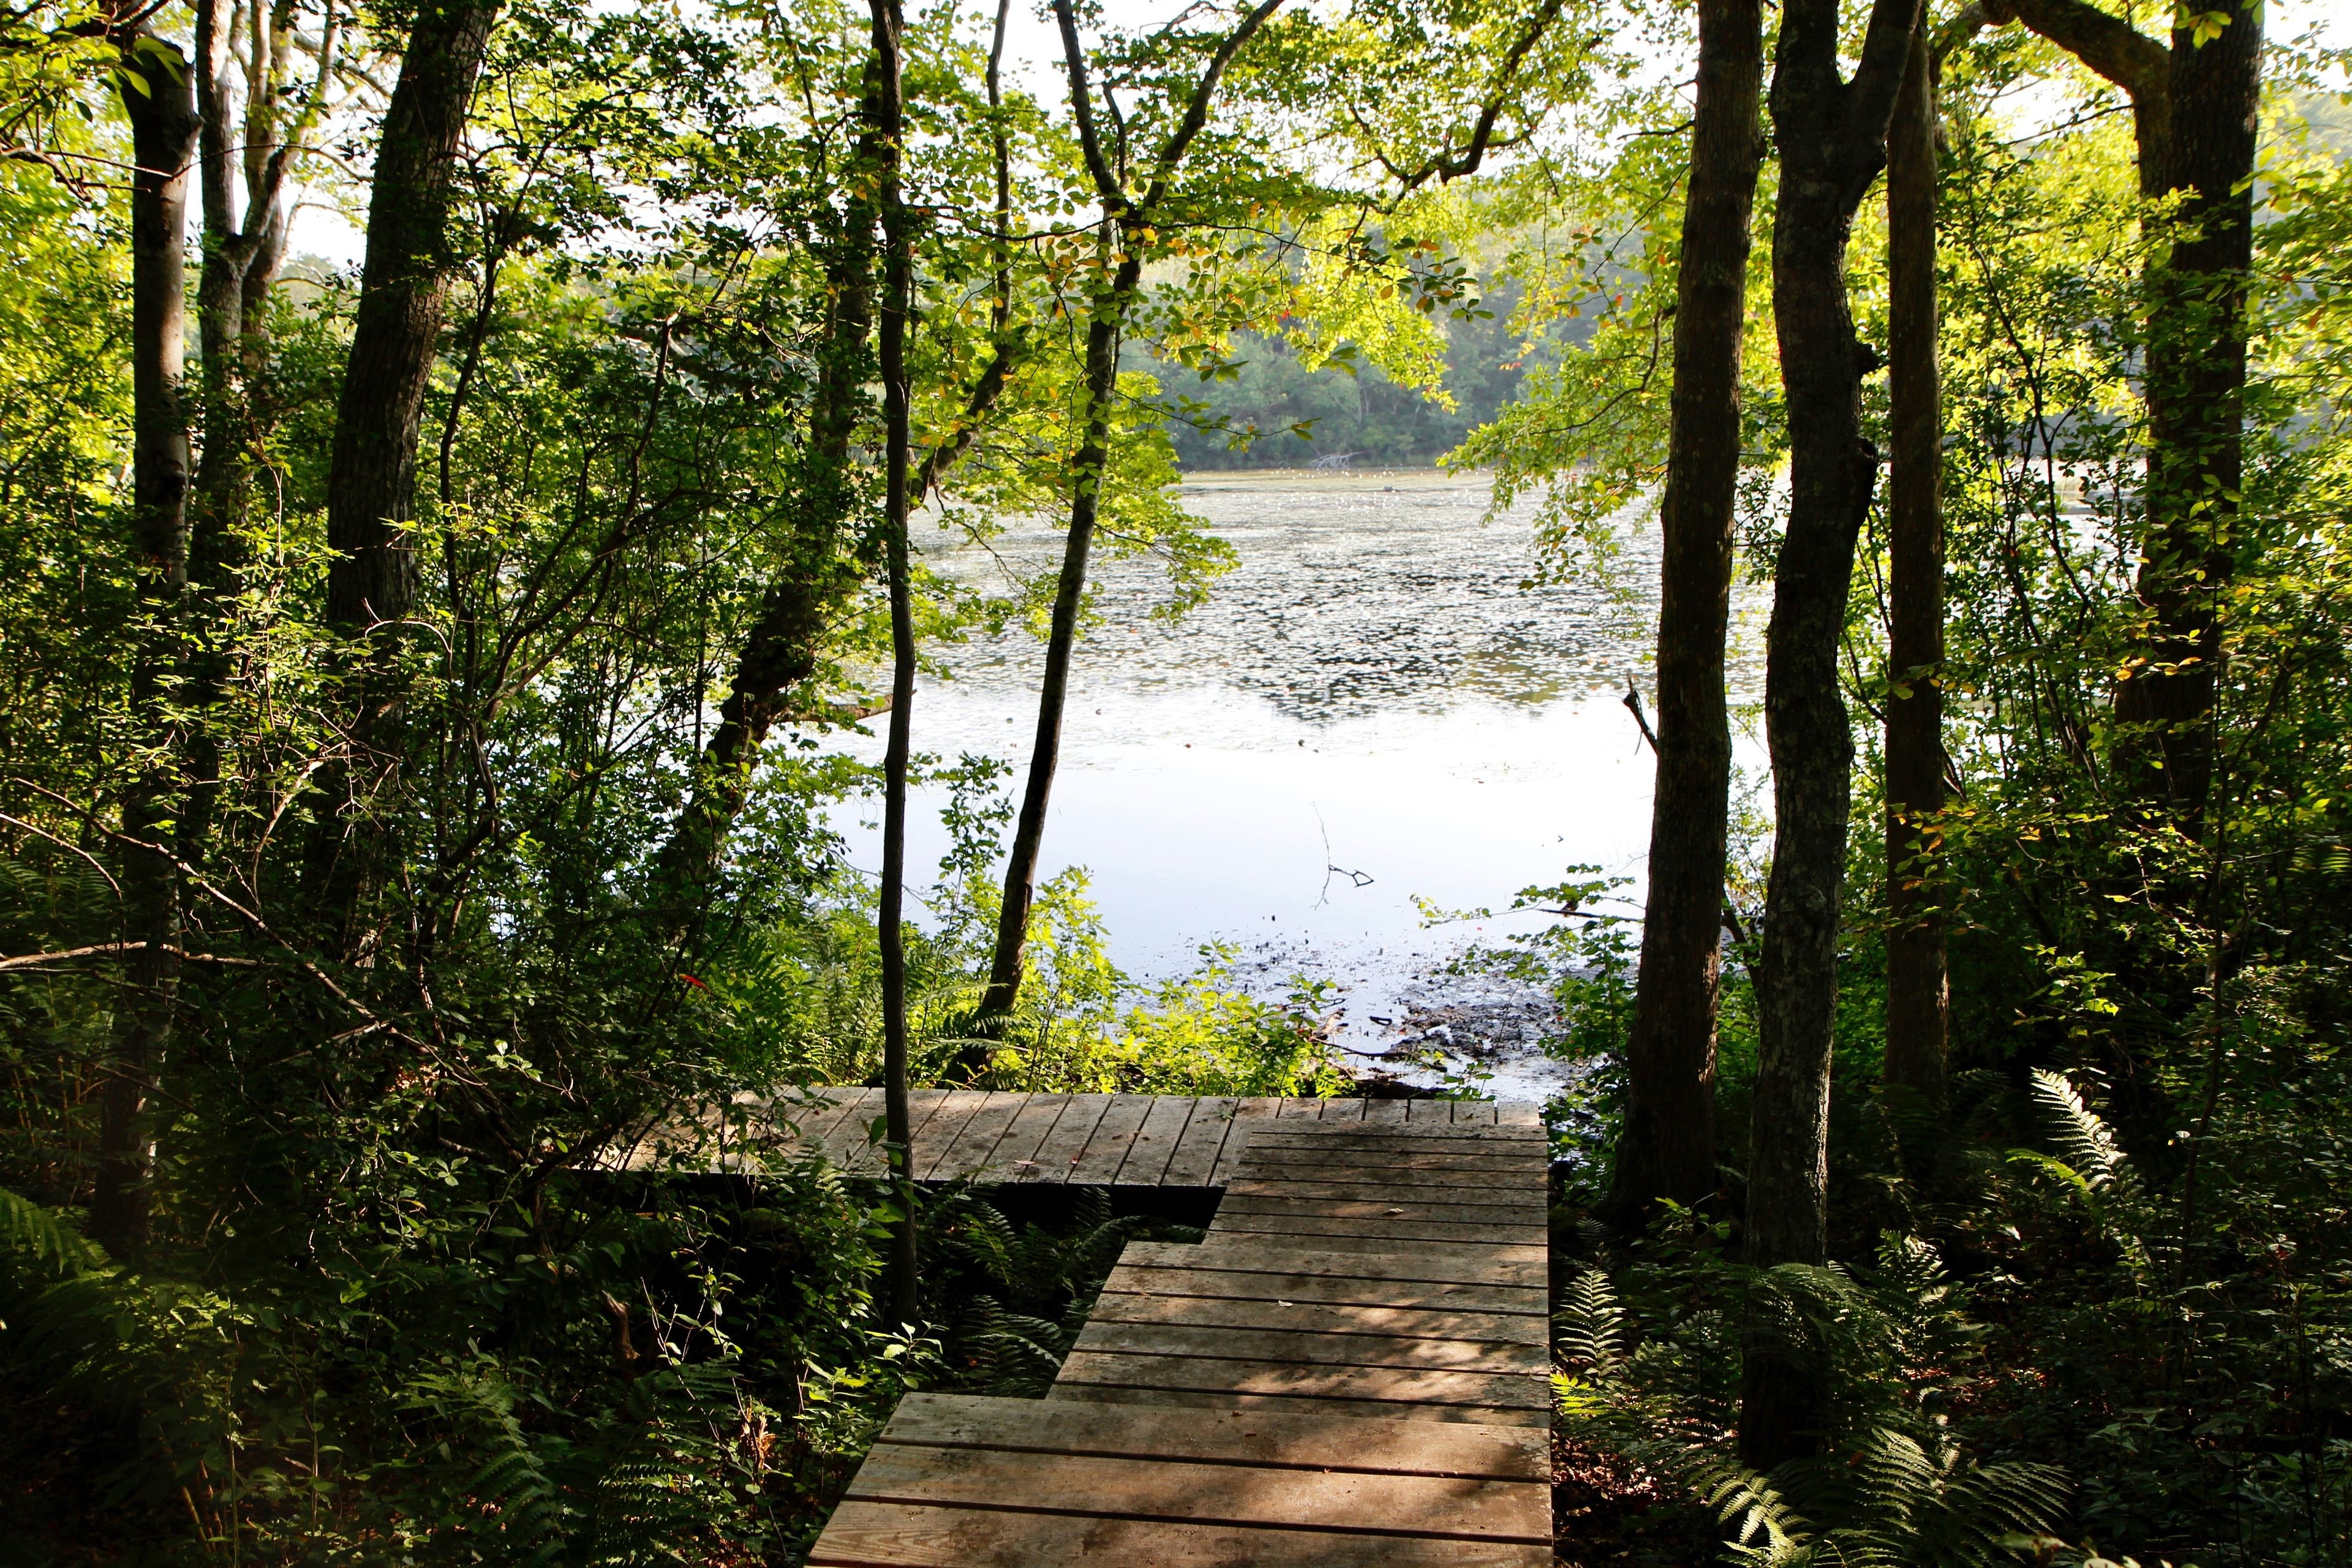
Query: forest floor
x,y
1607,1513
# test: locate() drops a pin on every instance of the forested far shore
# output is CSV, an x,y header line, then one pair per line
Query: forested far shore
x,y
473,763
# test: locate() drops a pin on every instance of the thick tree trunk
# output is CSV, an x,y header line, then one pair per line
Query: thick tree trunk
x,y
1666,1149
2196,397
372,481
162,111
1061,633
1917,989
2195,109
898,296
1831,137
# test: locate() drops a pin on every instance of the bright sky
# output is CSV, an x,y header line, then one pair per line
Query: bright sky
x,y
1033,52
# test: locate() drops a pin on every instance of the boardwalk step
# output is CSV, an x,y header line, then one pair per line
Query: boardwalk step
x,y
1350,1370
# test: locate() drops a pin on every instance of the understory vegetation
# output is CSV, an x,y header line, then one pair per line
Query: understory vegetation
x,y
438,688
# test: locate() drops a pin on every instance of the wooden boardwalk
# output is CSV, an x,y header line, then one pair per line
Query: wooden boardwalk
x,y
1082,1139
1350,1370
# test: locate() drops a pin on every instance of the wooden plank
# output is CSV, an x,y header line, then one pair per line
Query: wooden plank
x,y
924,1108
1395,1384
1484,1179
1482,1260
872,1535
1249,1114
957,1107
1262,1285
1062,1148
1348,1202
1145,1432
1384,1113
1195,1159
1270,1310
846,1141
1490,1163
823,1110
1447,1508
1107,1148
844,1132
1148,1152
1321,1134
1014,1157
1308,1347
1474,1113
1352,1236
1523,1141
1481,1416
1293,1109
1493,1266
967,1153
1370,1187
1343,1111
1518,1113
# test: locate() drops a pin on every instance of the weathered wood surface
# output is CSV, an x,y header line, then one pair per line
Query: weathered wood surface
x,y
1350,1370
1082,1139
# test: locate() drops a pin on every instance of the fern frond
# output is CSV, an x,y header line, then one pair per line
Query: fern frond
x,y
32,1234
2082,1139
1589,1330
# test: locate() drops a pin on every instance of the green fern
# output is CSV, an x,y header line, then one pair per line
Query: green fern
x,y
31,1234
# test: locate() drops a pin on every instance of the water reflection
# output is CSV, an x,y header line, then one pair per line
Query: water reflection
x,y
1372,687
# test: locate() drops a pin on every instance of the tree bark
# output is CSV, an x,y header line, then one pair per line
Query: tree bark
x,y
1917,996
808,594
897,295
1666,1149
372,480
162,111
2195,109
2195,399
240,264
1126,222
1086,467
1831,137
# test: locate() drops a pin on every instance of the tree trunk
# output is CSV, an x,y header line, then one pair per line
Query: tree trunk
x,y
1666,1149
1127,226
898,296
240,264
371,481
1061,633
162,111
2196,398
1831,137
1917,989
808,594
2195,109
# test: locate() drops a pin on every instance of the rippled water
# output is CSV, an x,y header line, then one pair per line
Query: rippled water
x,y
1371,707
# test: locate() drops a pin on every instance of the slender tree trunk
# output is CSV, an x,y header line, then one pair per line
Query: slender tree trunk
x,y
2196,396
1831,137
1667,1147
1062,633
898,296
372,481
1917,989
809,590
162,111
240,265
1126,225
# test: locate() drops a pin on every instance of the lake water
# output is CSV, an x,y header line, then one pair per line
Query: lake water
x,y
1371,707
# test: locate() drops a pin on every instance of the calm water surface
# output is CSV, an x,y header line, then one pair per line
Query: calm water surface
x,y
1370,708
